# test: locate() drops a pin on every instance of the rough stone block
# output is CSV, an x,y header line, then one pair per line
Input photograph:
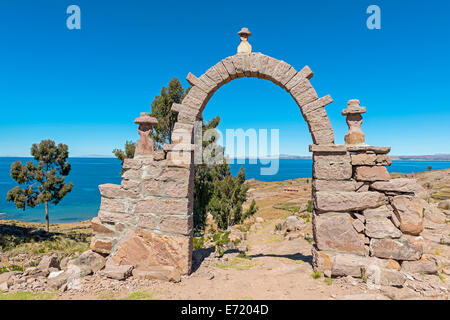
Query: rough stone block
x,y
163,206
145,250
364,159
197,93
305,97
270,68
347,201
175,174
246,64
102,246
323,137
401,185
381,227
305,73
366,148
99,228
147,221
114,191
316,105
114,205
222,71
178,225
209,82
283,73
322,262
255,64
302,86
193,103
165,273
355,266
113,217
134,164
328,148
182,133
333,185
176,158
409,212
421,266
178,189
194,81
371,173
405,248
358,225
332,167
229,66
263,61
237,62
335,232
212,74
151,187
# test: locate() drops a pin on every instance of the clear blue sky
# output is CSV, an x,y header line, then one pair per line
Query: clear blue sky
x,y
85,87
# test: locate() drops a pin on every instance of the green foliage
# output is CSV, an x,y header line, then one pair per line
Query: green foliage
x,y
316,275
127,153
328,281
309,207
139,295
161,109
205,176
11,267
221,241
26,296
229,195
217,191
198,243
43,180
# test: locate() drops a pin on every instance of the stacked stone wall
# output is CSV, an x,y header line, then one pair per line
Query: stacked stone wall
x,y
362,218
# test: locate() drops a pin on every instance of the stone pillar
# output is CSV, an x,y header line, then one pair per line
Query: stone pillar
x,y
364,222
145,145
354,122
147,221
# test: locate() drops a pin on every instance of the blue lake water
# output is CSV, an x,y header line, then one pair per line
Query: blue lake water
x,y
87,173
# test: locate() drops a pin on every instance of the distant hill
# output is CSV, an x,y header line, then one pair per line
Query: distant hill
x,y
435,157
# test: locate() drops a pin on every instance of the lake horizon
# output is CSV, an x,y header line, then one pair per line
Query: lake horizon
x,y
87,173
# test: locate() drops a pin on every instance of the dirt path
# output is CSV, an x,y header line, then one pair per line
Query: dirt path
x,y
277,268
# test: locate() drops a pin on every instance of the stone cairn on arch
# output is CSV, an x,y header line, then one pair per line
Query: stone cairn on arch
x,y
361,217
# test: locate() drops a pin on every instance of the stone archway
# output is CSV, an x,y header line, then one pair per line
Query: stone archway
x,y
147,221
257,65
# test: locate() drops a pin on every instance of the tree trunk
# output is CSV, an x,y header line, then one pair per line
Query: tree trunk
x,y
46,216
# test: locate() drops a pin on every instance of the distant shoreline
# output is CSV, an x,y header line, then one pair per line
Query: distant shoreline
x,y
437,157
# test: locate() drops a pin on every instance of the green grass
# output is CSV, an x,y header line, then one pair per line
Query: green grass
x,y
316,274
139,295
12,267
58,244
26,296
328,281
442,194
287,206
106,295
237,263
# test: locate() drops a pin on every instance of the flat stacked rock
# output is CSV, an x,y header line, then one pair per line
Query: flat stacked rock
x,y
363,220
